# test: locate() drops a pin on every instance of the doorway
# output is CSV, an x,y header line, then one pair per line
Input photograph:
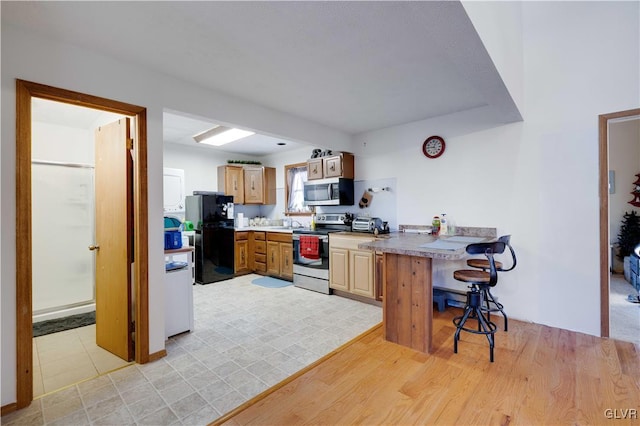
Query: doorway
x,y
605,252
25,91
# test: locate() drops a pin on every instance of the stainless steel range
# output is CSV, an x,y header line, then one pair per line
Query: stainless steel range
x,y
311,251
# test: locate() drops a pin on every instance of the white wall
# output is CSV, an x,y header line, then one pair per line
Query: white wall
x,y
624,161
500,28
29,57
537,180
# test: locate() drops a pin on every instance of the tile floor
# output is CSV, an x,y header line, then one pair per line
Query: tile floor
x,y
62,359
246,339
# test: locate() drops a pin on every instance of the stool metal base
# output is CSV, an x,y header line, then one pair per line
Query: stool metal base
x,y
475,310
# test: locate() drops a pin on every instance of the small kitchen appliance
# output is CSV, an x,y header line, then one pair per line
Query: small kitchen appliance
x,y
372,225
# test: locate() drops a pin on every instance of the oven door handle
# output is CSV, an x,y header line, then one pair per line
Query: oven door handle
x,y
322,238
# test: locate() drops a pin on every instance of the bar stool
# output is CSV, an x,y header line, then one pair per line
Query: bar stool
x,y
475,296
484,265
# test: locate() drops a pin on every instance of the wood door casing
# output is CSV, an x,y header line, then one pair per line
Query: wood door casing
x,y
25,91
113,182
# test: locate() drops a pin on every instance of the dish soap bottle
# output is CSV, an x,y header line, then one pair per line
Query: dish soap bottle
x,y
435,225
313,222
444,226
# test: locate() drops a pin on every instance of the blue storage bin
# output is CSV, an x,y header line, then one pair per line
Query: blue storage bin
x,y
172,240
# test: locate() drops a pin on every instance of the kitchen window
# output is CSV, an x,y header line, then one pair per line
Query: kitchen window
x,y
295,177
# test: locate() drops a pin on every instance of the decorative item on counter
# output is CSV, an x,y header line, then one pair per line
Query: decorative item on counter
x,y
365,200
252,162
444,230
435,225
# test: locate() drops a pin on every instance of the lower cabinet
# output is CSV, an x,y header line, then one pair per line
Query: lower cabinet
x,y
242,253
280,255
269,253
259,251
350,269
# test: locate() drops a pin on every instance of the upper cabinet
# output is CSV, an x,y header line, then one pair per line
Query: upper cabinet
x,y
231,182
259,185
339,165
248,184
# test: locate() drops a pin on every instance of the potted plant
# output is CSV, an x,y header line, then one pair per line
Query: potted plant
x,y
628,238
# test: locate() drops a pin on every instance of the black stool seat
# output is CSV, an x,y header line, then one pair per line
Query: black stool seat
x,y
492,305
480,282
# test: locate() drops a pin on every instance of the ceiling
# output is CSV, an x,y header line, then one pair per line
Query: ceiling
x,y
351,66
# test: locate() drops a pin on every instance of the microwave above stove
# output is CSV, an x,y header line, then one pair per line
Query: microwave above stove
x,y
329,192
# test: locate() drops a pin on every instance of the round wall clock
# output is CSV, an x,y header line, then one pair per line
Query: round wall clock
x,y
433,147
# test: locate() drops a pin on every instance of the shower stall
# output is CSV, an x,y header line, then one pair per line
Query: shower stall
x,y
63,216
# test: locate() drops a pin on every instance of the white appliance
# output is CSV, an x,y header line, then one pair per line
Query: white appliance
x,y
173,190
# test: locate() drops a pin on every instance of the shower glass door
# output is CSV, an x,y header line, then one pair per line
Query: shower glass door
x,y
63,228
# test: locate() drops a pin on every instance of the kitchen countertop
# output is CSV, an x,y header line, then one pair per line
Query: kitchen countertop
x,y
409,244
281,229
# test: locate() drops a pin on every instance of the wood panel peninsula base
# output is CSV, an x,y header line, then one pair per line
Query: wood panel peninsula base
x,y
408,282
407,310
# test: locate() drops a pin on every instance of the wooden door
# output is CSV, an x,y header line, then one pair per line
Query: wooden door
x,y
273,258
231,182
242,256
333,166
253,186
286,260
114,243
361,272
314,169
339,269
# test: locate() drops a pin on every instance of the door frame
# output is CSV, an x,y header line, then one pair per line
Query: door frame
x,y
25,91
603,148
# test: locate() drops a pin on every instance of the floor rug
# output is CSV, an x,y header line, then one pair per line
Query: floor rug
x,y
271,282
61,324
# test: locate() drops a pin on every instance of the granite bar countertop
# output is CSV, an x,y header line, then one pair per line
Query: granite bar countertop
x,y
411,244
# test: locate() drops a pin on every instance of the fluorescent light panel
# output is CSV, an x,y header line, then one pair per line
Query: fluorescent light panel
x,y
221,135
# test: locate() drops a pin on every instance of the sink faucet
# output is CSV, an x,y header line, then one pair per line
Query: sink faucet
x,y
299,225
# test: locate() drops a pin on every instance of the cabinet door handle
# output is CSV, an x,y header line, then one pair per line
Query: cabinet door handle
x,y
272,259
94,247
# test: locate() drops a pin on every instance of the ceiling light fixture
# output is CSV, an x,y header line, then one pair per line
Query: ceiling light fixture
x,y
221,135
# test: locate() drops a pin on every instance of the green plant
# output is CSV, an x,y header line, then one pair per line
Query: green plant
x,y
252,162
629,235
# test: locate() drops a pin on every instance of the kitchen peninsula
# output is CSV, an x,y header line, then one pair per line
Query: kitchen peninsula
x,y
407,280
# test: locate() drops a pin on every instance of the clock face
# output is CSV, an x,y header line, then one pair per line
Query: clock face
x,y
433,147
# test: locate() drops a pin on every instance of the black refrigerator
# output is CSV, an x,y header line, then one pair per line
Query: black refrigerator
x,y
212,216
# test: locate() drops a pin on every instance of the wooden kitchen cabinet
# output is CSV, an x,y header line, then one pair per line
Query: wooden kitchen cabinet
x,y
314,169
280,255
231,182
242,253
351,269
259,252
286,261
259,185
339,165
339,268
248,184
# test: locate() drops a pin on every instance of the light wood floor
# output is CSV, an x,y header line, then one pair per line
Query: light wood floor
x,y
541,375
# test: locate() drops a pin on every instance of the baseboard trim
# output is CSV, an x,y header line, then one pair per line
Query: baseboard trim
x,y
157,355
9,408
